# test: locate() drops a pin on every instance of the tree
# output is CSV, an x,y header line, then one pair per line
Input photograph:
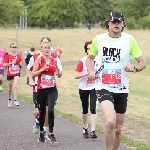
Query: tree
x,y
10,11
96,10
135,11
51,11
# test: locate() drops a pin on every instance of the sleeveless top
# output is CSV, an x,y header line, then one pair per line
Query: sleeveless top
x,y
47,78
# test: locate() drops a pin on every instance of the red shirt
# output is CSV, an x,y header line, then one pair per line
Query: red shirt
x,y
47,78
31,63
58,52
13,69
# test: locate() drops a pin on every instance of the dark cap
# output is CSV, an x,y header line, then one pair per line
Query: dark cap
x,y
115,15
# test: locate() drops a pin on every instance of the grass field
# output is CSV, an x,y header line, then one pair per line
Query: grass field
x,y
70,40
137,122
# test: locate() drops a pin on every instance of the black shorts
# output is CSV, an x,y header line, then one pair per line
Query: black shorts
x,y
2,72
118,99
12,77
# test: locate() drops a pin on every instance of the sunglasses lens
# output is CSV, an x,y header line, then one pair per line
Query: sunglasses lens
x,y
14,47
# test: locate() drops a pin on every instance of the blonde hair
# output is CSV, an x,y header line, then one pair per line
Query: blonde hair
x,y
45,40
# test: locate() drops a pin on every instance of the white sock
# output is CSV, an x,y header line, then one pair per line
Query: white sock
x,y
45,128
85,127
36,120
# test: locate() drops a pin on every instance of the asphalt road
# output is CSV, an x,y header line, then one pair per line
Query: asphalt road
x,y
16,131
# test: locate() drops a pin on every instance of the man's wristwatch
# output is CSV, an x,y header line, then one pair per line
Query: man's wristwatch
x,y
136,68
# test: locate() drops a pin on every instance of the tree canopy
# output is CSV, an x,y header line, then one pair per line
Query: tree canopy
x,y
10,10
62,13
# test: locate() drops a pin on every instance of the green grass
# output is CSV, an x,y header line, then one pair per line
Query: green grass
x,y
72,118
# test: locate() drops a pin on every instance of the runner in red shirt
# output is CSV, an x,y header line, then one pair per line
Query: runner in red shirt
x,y
45,68
13,62
58,52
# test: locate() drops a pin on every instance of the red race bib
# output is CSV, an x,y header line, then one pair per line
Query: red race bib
x,y
111,77
14,69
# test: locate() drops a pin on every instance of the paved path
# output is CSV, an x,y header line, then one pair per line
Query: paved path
x,y
16,131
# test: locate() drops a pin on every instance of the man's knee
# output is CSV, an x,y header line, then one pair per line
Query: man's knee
x,y
110,123
118,130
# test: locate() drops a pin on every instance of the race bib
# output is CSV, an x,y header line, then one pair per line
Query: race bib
x,y
111,78
47,81
90,82
14,69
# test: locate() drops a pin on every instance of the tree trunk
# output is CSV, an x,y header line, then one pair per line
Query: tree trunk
x,y
72,25
64,25
89,25
49,25
5,25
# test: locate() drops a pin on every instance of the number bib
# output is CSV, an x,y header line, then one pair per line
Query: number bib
x,y
89,82
14,69
47,81
111,78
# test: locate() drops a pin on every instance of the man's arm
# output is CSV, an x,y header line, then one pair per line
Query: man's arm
x,y
89,63
90,59
136,53
141,63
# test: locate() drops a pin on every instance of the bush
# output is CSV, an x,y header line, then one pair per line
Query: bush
x,y
145,22
130,23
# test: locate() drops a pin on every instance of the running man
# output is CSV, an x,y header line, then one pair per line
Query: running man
x,y
2,56
114,49
86,89
13,62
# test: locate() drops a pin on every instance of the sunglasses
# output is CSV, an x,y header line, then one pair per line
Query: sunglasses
x,y
13,47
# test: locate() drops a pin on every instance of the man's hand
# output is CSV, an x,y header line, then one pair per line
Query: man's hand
x,y
130,68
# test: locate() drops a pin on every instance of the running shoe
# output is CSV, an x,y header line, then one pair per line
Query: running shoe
x,y
9,104
42,138
85,133
52,138
16,103
93,135
45,134
1,89
36,127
